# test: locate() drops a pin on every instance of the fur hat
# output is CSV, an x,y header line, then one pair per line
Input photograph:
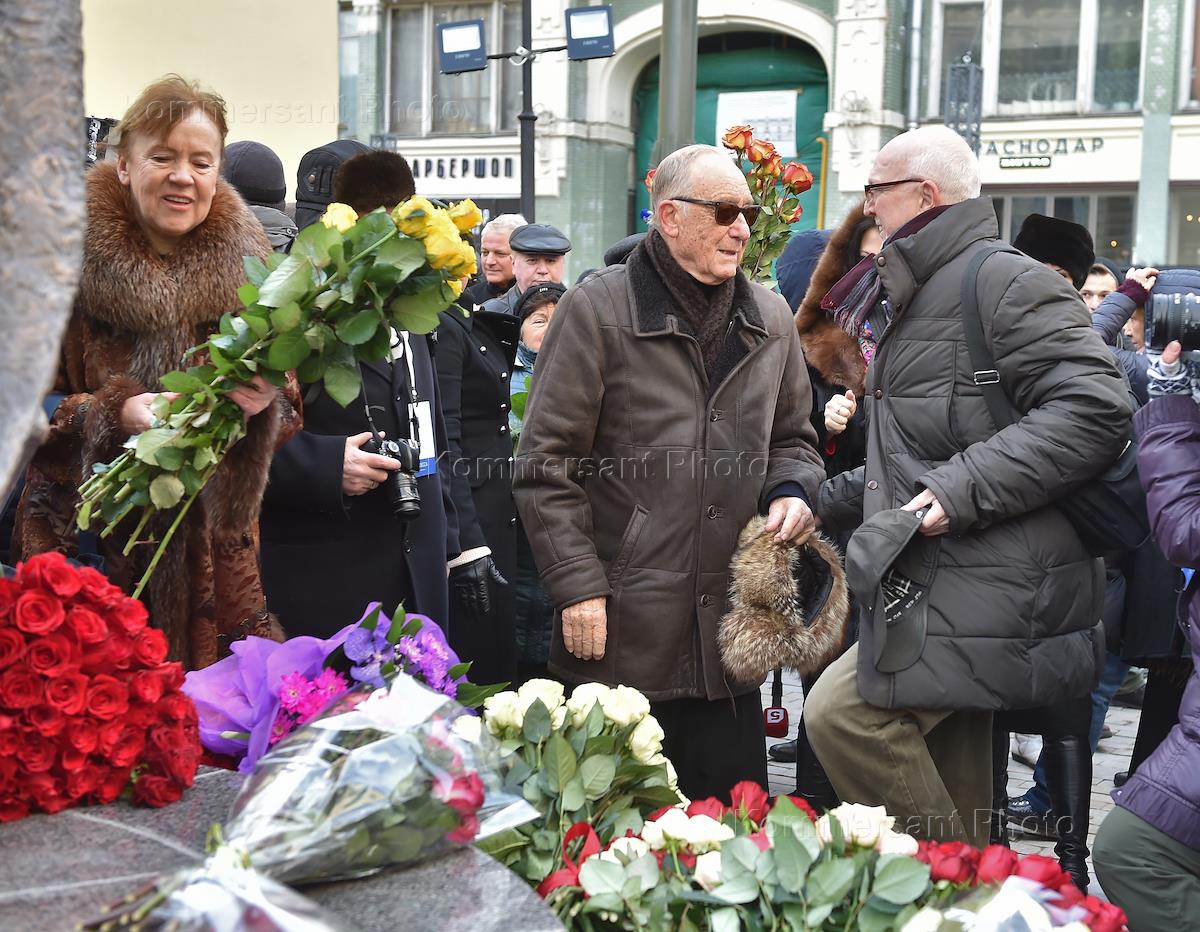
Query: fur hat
x,y
1065,244
789,605
373,179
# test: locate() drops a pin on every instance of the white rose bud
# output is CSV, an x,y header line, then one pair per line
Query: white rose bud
x,y
674,824
558,718
708,870
927,920
704,833
501,712
645,741
652,835
861,825
631,847
625,706
896,843
550,692
583,698
468,728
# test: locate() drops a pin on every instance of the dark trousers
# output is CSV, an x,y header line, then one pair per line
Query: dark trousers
x,y
714,744
1160,708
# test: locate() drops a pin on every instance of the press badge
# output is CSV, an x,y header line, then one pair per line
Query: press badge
x,y
421,414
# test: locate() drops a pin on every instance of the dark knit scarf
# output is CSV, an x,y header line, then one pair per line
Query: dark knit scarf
x,y
703,309
858,292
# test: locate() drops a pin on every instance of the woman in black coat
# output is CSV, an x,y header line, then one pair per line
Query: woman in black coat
x,y
331,542
474,365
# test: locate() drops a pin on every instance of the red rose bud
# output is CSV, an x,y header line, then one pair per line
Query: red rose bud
x,y
1104,917
803,805
760,839
10,740
71,759
996,864
67,693
95,586
128,748
57,574
46,720
147,686
37,754
10,591
738,137
83,781
11,809
12,646
89,627
464,794
19,688
150,647
112,784
52,655
953,861
38,612
749,801
468,828
711,807
160,791
176,707
83,735
131,616
797,177
172,675
1042,869
107,697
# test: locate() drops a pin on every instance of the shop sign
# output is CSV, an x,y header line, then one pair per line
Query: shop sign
x,y
1022,153
439,174
772,114
1025,161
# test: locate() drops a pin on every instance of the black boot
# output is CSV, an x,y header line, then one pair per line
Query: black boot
x,y
1068,763
998,834
812,783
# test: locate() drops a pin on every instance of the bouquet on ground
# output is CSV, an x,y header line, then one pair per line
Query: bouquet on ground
x,y
385,776
591,764
338,298
89,710
253,699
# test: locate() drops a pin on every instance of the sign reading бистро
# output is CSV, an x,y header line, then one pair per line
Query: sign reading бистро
x,y
1036,152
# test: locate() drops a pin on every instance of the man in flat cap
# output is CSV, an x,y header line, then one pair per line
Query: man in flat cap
x,y
669,405
538,255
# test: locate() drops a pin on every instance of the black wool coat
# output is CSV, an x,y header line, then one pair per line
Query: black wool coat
x,y
474,365
326,555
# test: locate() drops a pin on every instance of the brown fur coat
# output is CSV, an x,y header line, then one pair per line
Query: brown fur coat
x,y
828,348
135,314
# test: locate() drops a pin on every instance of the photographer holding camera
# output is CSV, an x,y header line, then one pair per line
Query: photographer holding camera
x,y
355,510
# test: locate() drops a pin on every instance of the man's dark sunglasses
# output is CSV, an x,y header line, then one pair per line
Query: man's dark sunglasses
x,y
724,212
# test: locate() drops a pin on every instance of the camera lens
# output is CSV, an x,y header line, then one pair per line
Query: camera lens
x,y
404,495
1173,317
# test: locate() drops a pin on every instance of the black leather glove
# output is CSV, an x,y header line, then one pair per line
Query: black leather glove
x,y
469,583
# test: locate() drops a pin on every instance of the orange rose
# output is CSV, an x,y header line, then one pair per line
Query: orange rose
x,y
797,177
796,214
773,167
759,150
649,180
738,138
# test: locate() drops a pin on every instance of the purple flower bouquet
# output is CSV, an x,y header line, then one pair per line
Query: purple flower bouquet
x,y
252,700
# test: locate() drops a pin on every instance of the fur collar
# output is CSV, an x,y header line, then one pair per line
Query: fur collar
x,y
128,286
827,348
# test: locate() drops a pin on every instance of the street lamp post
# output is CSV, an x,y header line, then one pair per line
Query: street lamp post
x,y
461,48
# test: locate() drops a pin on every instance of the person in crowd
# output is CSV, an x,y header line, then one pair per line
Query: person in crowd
x,y
162,261
474,368
903,718
669,405
332,538
837,366
534,608
495,259
314,177
539,255
1147,850
257,174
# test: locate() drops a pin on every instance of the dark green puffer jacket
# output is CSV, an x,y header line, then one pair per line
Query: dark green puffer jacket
x,y
1014,610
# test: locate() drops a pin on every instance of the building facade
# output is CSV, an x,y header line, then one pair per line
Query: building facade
x,y
1091,108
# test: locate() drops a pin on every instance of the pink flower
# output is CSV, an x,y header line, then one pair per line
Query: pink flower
x,y
293,688
330,683
283,726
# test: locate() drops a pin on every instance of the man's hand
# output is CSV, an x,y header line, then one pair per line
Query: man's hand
x,y
253,396
470,583
585,628
1144,277
792,518
1172,352
838,411
363,471
935,521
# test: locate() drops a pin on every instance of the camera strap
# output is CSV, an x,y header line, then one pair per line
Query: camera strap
x,y
420,412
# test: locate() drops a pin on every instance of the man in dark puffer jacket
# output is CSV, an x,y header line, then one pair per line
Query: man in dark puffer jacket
x,y
1013,610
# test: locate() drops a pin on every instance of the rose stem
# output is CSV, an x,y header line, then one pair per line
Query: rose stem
x,y
163,546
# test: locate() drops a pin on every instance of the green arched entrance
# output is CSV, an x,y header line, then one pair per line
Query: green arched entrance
x,y
740,62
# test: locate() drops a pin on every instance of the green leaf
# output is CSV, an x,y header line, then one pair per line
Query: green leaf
x,y
573,796
359,328
256,270
418,313
376,349
290,282
258,320
598,877
287,351
558,762
402,254
166,491
369,230
183,382
248,294
342,383
315,241
900,879
287,317
742,888
817,915
537,722
726,920
829,881
597,775
170,457
871,919
792,859
149,442
518,403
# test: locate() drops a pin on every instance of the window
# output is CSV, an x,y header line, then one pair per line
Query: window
x,y
1043,56
1109,217
472,103
1185,206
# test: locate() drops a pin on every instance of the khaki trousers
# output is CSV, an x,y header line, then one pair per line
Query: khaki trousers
x,y
930,768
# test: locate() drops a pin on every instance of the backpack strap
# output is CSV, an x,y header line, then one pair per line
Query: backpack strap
x,y
983,362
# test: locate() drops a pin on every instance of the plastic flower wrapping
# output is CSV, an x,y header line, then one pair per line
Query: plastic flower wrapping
x,y
383,777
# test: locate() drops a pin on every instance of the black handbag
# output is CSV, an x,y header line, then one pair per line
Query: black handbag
x,y
1108,511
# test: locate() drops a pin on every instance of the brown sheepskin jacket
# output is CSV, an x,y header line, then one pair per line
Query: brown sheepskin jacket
x,y
828,349
135,314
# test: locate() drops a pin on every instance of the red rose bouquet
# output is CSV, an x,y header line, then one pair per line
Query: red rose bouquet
x,y
88,707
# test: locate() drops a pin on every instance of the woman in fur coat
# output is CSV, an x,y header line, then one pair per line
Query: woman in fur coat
x,y
162,261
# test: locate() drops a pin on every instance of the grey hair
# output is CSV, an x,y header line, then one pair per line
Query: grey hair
x,y
503,223
940,155
673,176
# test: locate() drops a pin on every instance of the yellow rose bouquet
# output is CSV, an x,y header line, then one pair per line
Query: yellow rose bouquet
x,y
335,300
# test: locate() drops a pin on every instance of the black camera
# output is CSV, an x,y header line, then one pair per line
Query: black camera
x,y
1173,317
401,483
